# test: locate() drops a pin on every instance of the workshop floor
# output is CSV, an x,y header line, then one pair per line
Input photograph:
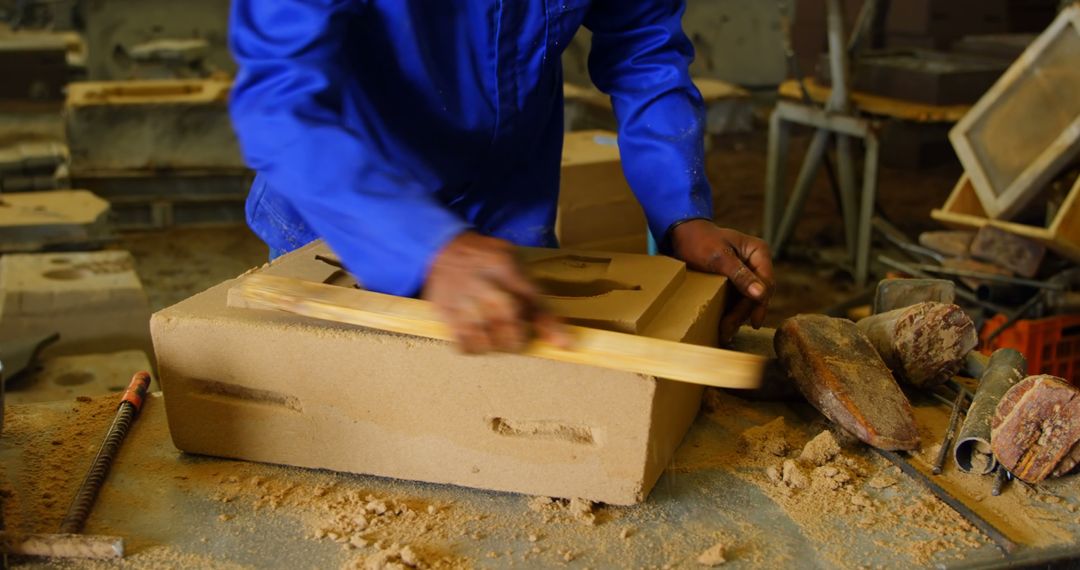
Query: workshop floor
x,y
838,508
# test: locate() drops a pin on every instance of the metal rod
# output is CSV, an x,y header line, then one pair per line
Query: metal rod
x,y
130,404
940,398
796,72
898,238
1000,478
950,433
863,27
1003,542
988,276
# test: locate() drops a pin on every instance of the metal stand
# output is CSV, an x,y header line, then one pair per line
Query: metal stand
x,y
836,119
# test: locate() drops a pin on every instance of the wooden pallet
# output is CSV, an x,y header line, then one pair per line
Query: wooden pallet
x,y
1027,127
964,210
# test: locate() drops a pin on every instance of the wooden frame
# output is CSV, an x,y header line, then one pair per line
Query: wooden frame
x,y
1005,169
964,210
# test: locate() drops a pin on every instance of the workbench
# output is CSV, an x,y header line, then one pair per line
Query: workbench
x,y
177,510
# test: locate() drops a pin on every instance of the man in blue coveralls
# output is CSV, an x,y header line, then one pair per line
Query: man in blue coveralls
x,y
422,138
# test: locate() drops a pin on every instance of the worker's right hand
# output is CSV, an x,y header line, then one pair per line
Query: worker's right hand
x,y
488,302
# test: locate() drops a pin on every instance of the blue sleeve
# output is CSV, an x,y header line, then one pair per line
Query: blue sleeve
x,y
287,108
641,58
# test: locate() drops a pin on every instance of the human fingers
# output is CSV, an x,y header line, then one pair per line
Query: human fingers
x,y
507,274
757,257
726,261
469,327
502,313
757,316
735,318
551,329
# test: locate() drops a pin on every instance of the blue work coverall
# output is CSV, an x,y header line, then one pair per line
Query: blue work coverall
x,y
388,127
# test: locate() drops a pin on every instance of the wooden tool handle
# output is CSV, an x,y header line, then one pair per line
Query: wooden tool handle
x,y
594,347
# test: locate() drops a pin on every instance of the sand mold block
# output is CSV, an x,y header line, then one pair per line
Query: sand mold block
x,y
273,387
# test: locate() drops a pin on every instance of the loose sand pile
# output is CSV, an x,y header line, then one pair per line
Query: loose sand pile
x,y
829,478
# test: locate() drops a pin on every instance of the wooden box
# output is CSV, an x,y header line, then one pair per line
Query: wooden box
x,y
1027,127
964,210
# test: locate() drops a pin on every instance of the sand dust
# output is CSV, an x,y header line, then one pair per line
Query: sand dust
x,y
820,450
769,438
714,556
56,457
380,523
824,486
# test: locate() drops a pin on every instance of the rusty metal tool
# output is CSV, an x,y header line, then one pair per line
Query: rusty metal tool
x,y
1003,542
950,433
68,543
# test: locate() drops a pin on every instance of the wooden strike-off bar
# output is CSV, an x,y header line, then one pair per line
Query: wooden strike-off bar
x,y
594,347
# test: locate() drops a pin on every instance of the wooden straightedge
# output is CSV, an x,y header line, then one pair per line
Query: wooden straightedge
x,y
593,347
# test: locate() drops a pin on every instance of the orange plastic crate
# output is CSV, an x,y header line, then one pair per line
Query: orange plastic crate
x,y
1051,346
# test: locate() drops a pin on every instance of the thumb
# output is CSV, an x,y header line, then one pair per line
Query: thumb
x,y
728,263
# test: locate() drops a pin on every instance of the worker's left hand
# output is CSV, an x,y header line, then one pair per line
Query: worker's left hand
x,y
743,259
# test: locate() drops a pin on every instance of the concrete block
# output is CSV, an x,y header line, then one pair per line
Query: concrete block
x,y
595,201
273,387
143,200
93,299
68,377
126,30
31,157
150,125
30,221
